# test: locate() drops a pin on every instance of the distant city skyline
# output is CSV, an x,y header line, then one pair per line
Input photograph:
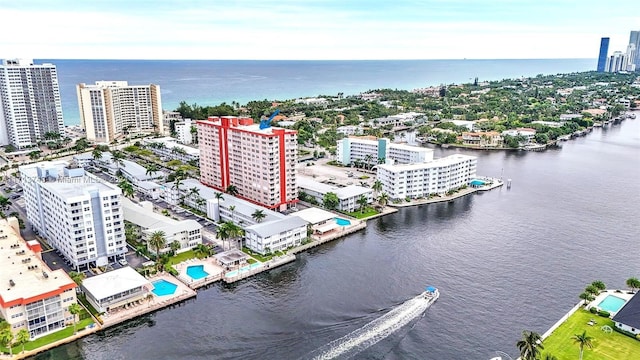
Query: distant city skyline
x,y
323,29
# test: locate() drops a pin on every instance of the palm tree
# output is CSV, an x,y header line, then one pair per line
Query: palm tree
x,y
377,186
586,297
202,251
6,336
151,169
633,283
77,277
232,190
234,232
97,154
550,357
75,309
158,241
368,159
383,199
127,188
258,215
194,192
22,337
219,196
599,285
529,345
590,289
222,232
175,245
4,202
583,340
200,202
232,208
118,158
362,201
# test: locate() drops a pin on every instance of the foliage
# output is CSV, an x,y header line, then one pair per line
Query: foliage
x,y
633,283
199,112
604,313
330,201
529,345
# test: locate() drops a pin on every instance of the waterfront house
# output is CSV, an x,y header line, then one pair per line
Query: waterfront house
x,y
116,288
348,196
483,139
280,234
628,317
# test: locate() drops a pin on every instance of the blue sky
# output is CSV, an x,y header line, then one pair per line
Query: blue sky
x,y
312,29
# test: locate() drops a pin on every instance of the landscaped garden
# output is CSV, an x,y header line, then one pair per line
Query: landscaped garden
x,y
51,338
606,345
362,214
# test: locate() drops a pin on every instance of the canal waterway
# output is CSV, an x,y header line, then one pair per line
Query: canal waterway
x,y
504,261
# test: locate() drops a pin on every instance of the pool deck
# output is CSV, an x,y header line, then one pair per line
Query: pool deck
x,y
622,294
446,198
265,266
214,270
119,315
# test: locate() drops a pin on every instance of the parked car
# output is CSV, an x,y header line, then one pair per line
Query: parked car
x,y
123,262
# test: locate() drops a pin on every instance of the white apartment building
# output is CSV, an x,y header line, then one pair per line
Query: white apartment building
x,y
111,109
169,117
238,211
30,104
348,130
259,163
79,214
32,297
183,131
188,233
116,288
374,151
422,179
169,149
271,236
348,195
396,120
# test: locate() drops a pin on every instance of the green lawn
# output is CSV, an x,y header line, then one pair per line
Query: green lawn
x,y
368,211
178,258
48,339
605,346
261,258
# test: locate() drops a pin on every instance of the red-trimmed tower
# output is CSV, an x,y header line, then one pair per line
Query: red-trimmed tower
x,y
260,163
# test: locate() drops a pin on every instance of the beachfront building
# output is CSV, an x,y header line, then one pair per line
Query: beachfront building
x,y
627,318
112,109
183,131
32,297
276,235
168,148
420,180
347,195
258,163
30,104
489,139
77,213
238,211
372,151
187,233
116,288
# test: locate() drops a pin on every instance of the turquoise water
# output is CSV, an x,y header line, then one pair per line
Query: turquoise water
x,y
196,272
343,222
477,183
163,287
243,269
611,303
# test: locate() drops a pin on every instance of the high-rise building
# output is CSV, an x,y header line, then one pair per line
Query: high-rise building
x,y
634,38
602,57
259,163
111,109
630,58
32,297
79,214
616,62
367,151
30,104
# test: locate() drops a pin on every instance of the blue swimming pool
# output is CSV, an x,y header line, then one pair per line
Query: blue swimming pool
x,y
163,287
611,303
343,222
196,272
477,182
243,269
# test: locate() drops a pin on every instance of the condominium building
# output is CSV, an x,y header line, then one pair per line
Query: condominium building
x,y
169,149
111,109
30,104
422,179
79,214
602,56
276,235
258,162
116,289
634,39
348,196
373,151
183,131
32,297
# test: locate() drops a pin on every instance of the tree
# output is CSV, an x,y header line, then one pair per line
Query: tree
x,y
362,201
118,158
202,251
4,202
75,309
235,232
81,144
222,233
590,289
194,193
368,159
583,340
175,246
127,188
383,199
599,285
529,345
330,200
377,186
258,215
6,337
22,337
232,190
586,297
232,208
158,241
151,169
219,196
633,284
97,154
77,277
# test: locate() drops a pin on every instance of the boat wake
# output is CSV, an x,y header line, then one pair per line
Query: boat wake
x,y
375,331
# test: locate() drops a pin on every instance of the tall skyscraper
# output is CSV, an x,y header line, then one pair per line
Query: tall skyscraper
x,y
634,39
30,104
110,109
259,163
604,50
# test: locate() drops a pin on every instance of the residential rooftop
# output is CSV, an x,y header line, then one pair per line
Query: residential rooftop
x,y
115,282
314,215
445,161
144,216
270,228
342,192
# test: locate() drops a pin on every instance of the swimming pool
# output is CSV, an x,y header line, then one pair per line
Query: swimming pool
x,y
477,182
243,269
611,303
163,287
196,272
343,222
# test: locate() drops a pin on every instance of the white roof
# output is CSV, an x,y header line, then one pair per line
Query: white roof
x,y
149,220
114,282
342,192
266,229
314,215
445,161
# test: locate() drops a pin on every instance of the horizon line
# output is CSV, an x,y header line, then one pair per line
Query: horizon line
x,y
155,59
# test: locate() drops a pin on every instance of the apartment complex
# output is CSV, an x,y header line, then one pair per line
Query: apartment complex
x,y
30,104
183,131
32,297
111,109
348,196
373,151
259,163
422,179
276,235
169,149
79,214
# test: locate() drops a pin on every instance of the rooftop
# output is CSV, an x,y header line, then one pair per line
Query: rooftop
x,y
114,282
314,215
629,314
22,267
171,143
270,228
342,192
445,161
243,207
144,217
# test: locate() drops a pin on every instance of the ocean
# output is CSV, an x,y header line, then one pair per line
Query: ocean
x,y
210,82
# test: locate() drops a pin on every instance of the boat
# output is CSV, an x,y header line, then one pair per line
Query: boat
x,y
631,115
431,294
